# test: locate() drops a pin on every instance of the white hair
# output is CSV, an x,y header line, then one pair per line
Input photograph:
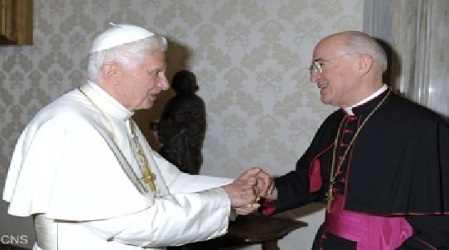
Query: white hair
x,y
129,55
362,43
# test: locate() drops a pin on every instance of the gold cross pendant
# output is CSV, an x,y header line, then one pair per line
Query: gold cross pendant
x,y
149,178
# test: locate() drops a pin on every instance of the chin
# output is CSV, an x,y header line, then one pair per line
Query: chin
x,y
326,98
326,101
144,106
148,106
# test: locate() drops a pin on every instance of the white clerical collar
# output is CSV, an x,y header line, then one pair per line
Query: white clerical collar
x,y
348,110
106,102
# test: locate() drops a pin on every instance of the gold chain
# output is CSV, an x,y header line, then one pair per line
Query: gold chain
x,y
334,172
111,127
148,176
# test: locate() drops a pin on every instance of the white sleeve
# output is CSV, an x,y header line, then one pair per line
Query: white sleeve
x,y
179,182
172,220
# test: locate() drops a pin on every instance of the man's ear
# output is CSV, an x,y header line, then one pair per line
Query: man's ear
x,y
364,64
111,72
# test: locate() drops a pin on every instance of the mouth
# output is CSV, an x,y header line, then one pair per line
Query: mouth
x,y
323,86
152,97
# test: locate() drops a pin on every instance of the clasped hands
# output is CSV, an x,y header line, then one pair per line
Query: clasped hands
x,y
245,191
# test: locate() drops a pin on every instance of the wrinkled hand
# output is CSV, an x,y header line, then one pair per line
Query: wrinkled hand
x,y
265,184
247,209
242,191
251,185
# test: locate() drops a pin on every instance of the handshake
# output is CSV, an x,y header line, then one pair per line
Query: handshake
x,y
245,191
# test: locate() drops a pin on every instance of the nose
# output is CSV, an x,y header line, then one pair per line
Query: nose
x,y
314,76
163,83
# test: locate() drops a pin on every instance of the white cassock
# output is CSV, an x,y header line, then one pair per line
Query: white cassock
x,y
75,164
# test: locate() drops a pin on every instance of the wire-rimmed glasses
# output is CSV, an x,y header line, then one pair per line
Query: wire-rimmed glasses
x,y
317,65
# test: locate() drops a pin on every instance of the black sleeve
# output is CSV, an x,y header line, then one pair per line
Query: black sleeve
x,y
294,188
293,191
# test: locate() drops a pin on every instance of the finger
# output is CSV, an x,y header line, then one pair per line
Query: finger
x,y
266,181
247,209
270,190
265,177
250,172
252,180
261,186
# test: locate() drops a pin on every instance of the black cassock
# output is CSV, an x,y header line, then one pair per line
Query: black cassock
x,y
398,165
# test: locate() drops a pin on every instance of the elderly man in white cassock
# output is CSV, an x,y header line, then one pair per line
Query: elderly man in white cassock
x,y
84,171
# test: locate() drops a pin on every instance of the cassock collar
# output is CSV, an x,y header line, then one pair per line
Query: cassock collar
x,y
105,102
360,107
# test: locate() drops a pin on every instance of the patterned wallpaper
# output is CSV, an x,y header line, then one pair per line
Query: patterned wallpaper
x,y
251,59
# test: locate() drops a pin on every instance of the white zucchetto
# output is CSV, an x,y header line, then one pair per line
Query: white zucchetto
x,y
119,34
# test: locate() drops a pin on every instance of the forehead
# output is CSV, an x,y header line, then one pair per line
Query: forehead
x,y
155,59
328,47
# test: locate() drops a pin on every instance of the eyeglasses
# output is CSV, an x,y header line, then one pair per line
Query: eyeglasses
x,y
317,65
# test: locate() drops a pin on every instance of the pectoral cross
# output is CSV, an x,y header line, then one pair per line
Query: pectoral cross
x,y
149,178
329,198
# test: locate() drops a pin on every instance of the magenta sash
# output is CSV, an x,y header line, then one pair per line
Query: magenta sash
x,y
370,232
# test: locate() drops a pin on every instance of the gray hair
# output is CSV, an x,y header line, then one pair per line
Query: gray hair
x,y
130,55
362,43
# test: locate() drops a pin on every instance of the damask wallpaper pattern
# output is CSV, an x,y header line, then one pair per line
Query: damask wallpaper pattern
x,y
251,59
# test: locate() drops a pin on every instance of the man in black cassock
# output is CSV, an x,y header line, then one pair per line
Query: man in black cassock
x,y
381,162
